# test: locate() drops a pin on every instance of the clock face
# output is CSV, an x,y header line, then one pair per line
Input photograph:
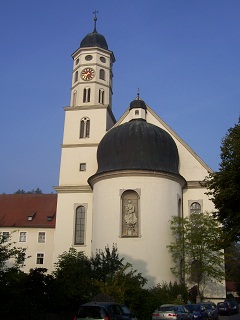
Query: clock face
x,y
87,74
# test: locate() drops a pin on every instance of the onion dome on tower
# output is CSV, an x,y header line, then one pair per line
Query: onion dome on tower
x,y
94,39
137,145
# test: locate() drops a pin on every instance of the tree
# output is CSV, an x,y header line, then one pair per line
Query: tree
x,y
33,191
106,263
73,277
11,261
224,187
10,255
195,249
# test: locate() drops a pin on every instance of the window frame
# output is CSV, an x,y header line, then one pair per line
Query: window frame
x,y
80,225
21,237
40,258
41,238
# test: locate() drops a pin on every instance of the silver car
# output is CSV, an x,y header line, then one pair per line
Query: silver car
x,y
171,312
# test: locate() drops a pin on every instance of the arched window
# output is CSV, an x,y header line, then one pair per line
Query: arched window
x,y
74,98
101,96
86,94
195,207
179,207
84,128
130,214
102,74
80,225
76,76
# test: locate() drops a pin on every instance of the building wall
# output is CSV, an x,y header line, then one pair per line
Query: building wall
x,y
158,202
33,246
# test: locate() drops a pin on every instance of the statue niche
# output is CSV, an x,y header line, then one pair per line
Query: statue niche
x,y
130,214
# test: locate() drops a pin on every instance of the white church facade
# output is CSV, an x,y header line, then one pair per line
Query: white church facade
x,y
121,181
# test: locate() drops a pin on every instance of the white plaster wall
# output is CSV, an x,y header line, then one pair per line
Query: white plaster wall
x,y
65,224
198,195
158,203
73,117
33,247
70,173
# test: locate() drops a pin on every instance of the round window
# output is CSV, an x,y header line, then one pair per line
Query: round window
x,y
103,59
88,57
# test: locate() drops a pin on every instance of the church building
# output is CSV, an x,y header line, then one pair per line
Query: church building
x,y
121,181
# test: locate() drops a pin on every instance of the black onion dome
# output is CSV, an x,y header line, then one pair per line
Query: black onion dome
x,y
94,39
138,104
137,145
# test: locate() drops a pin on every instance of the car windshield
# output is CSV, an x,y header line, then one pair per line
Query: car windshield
x,y
208,306
93,312
168,308
193,307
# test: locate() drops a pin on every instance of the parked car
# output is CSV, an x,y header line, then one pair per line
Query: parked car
x,y
234,305
171,312
211,309
198,311
224,308
105,311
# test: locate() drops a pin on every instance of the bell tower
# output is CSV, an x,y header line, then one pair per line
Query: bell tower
x,y
92,72
87,120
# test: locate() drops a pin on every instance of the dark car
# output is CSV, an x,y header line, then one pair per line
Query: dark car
x,y
211,309
171,312
198,311
224,308
105,311
234,305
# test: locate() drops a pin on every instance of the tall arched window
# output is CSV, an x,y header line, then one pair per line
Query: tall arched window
x,y
76,76
74,98
86,94
80,225
130,214
101,96
179,207
84,128
102,74
195,207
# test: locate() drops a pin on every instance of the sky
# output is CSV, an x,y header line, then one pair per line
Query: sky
x,y
182,55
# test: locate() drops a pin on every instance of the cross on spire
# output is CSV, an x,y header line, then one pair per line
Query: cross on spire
x,y
95,20
138,94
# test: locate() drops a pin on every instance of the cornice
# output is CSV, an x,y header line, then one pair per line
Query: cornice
x,y
77,145
136,173
194,185
73,189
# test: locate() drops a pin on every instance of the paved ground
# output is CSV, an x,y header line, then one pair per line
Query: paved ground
x,y
233,317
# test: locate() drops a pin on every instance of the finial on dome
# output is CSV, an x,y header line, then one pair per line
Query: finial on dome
x,y
138,94
95,20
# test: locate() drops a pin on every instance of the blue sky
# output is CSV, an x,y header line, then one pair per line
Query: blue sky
x,y
183,55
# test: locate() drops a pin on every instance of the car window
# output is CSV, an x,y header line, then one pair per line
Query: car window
x,y
126,310
116,310
166,308
93,312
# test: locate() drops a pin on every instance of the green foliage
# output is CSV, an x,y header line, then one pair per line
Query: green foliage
x,y
10,255
105,263
170,293
73,275
224,187
33,191
195,249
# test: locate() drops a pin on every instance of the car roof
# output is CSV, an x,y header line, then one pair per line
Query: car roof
x,y
100,304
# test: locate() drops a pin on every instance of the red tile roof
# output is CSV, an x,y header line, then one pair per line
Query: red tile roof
x,y
16,208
